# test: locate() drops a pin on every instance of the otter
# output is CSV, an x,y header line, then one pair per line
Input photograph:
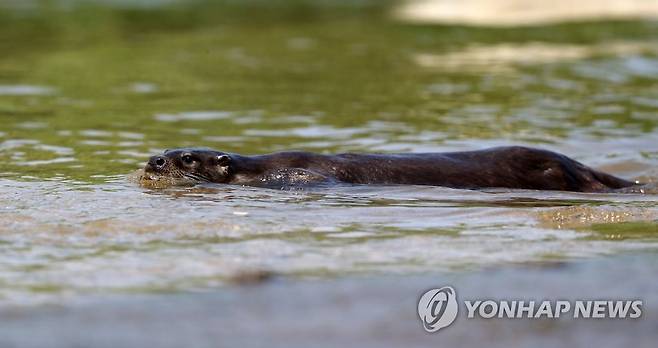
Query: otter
x,y
513,167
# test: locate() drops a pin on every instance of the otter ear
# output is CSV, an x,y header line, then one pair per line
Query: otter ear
x,y
223,160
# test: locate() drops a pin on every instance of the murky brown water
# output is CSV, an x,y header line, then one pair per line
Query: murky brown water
x,y
82,109
64,241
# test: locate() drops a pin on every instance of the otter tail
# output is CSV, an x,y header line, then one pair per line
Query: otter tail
x,y
611,181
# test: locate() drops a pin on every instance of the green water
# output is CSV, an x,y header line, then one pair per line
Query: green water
x,y
89,90
328,71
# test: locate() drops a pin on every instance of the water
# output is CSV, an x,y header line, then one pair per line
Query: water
x,y
375,311
84,103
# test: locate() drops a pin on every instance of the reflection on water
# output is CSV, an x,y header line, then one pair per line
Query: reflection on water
x,y
89,102
522,12
24,90
193,116
505,57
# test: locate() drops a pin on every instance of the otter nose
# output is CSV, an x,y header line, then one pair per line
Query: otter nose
x,y
157,162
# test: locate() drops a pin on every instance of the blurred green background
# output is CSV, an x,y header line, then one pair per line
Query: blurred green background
x,y
89,89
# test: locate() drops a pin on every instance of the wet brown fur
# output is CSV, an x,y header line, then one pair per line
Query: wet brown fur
x,y
506,167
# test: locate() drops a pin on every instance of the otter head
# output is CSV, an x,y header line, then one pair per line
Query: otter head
x,y
189,166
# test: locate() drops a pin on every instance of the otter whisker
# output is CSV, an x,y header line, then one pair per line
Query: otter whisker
x,y
195,176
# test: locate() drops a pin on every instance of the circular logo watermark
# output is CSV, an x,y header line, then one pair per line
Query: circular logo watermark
x,y
437,308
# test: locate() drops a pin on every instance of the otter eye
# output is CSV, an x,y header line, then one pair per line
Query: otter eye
x,y
187,159
223,160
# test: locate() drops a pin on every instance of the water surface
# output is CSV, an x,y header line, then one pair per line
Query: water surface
x,y
84,103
